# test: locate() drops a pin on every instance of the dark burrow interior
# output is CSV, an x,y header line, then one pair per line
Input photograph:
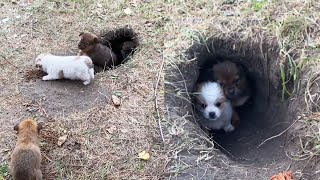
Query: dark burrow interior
x,y
265,115
123,42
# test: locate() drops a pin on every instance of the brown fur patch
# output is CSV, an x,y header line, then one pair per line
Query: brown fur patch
x,y
100,55
233,80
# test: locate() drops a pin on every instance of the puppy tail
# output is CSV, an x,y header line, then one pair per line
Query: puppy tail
x,y
91,71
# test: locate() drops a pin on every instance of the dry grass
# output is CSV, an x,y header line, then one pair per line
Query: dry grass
x,y
103,141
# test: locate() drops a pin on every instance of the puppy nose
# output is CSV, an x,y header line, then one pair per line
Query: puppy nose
x,y
212,115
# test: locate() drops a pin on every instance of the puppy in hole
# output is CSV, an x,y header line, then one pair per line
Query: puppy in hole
x,y
100,54
234,81
26,157
66,67
214,106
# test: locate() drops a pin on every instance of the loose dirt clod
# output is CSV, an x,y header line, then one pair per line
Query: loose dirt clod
x,y
116,100
62,140
33,74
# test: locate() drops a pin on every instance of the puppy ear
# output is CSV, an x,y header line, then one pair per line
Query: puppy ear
x,y
96,40
81,34
39,126
16,127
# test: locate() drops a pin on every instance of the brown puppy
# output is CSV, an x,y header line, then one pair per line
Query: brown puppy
x,y
26,156
235,83
101,55
126,48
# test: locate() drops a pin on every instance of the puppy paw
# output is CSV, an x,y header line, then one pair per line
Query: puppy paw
x,y
228,128
46,78
86,82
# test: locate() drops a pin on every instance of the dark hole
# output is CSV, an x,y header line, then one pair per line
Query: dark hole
x,y
122,41
264,115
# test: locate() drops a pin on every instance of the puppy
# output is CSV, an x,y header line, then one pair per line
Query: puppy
x,y
101,55
234,81
26,157
68,67
126,48
215,107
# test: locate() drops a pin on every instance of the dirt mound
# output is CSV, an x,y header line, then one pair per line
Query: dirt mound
x,y
33,74
261,141
123,41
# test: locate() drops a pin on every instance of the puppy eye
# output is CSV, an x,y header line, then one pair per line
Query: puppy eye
x,y
203,105
218,104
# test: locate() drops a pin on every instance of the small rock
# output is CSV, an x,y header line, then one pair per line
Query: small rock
x,y
62,140
144,155
116,100
128,11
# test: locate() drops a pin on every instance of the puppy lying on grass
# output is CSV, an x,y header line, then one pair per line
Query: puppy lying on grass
x,y
100,54
26,157
66,67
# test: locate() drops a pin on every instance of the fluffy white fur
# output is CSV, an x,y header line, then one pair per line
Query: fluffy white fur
x,y
216,116
68,67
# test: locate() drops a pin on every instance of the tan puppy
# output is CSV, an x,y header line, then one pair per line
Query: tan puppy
x,y
235,84
100,54
26,157
234,80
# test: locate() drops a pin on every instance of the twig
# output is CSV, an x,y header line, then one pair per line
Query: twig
x,y
156,97
8,61
47,157
278,134
104,95
43,109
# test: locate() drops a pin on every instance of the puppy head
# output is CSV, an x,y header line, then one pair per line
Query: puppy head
x,y
28,126
38,61
210,100
232,78
88,41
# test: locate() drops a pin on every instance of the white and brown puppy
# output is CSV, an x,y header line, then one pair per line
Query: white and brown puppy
x,y
26,157
66,67
215,107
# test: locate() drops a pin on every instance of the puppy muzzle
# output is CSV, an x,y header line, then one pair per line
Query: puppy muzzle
x,y
39,66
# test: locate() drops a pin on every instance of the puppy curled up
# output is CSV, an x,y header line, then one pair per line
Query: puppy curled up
x,y
66,67
100,54
214,106
26,157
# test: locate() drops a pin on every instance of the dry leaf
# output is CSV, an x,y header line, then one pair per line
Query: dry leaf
x,y
116,101
144,155
283,176
62,140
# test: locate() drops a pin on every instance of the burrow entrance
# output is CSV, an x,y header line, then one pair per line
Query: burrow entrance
x,y
122,41
266,115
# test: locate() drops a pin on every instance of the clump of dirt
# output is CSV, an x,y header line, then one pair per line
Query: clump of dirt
x,y
261,140
33,74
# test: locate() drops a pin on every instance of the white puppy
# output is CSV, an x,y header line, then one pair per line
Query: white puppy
x,y
215,107
68,67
